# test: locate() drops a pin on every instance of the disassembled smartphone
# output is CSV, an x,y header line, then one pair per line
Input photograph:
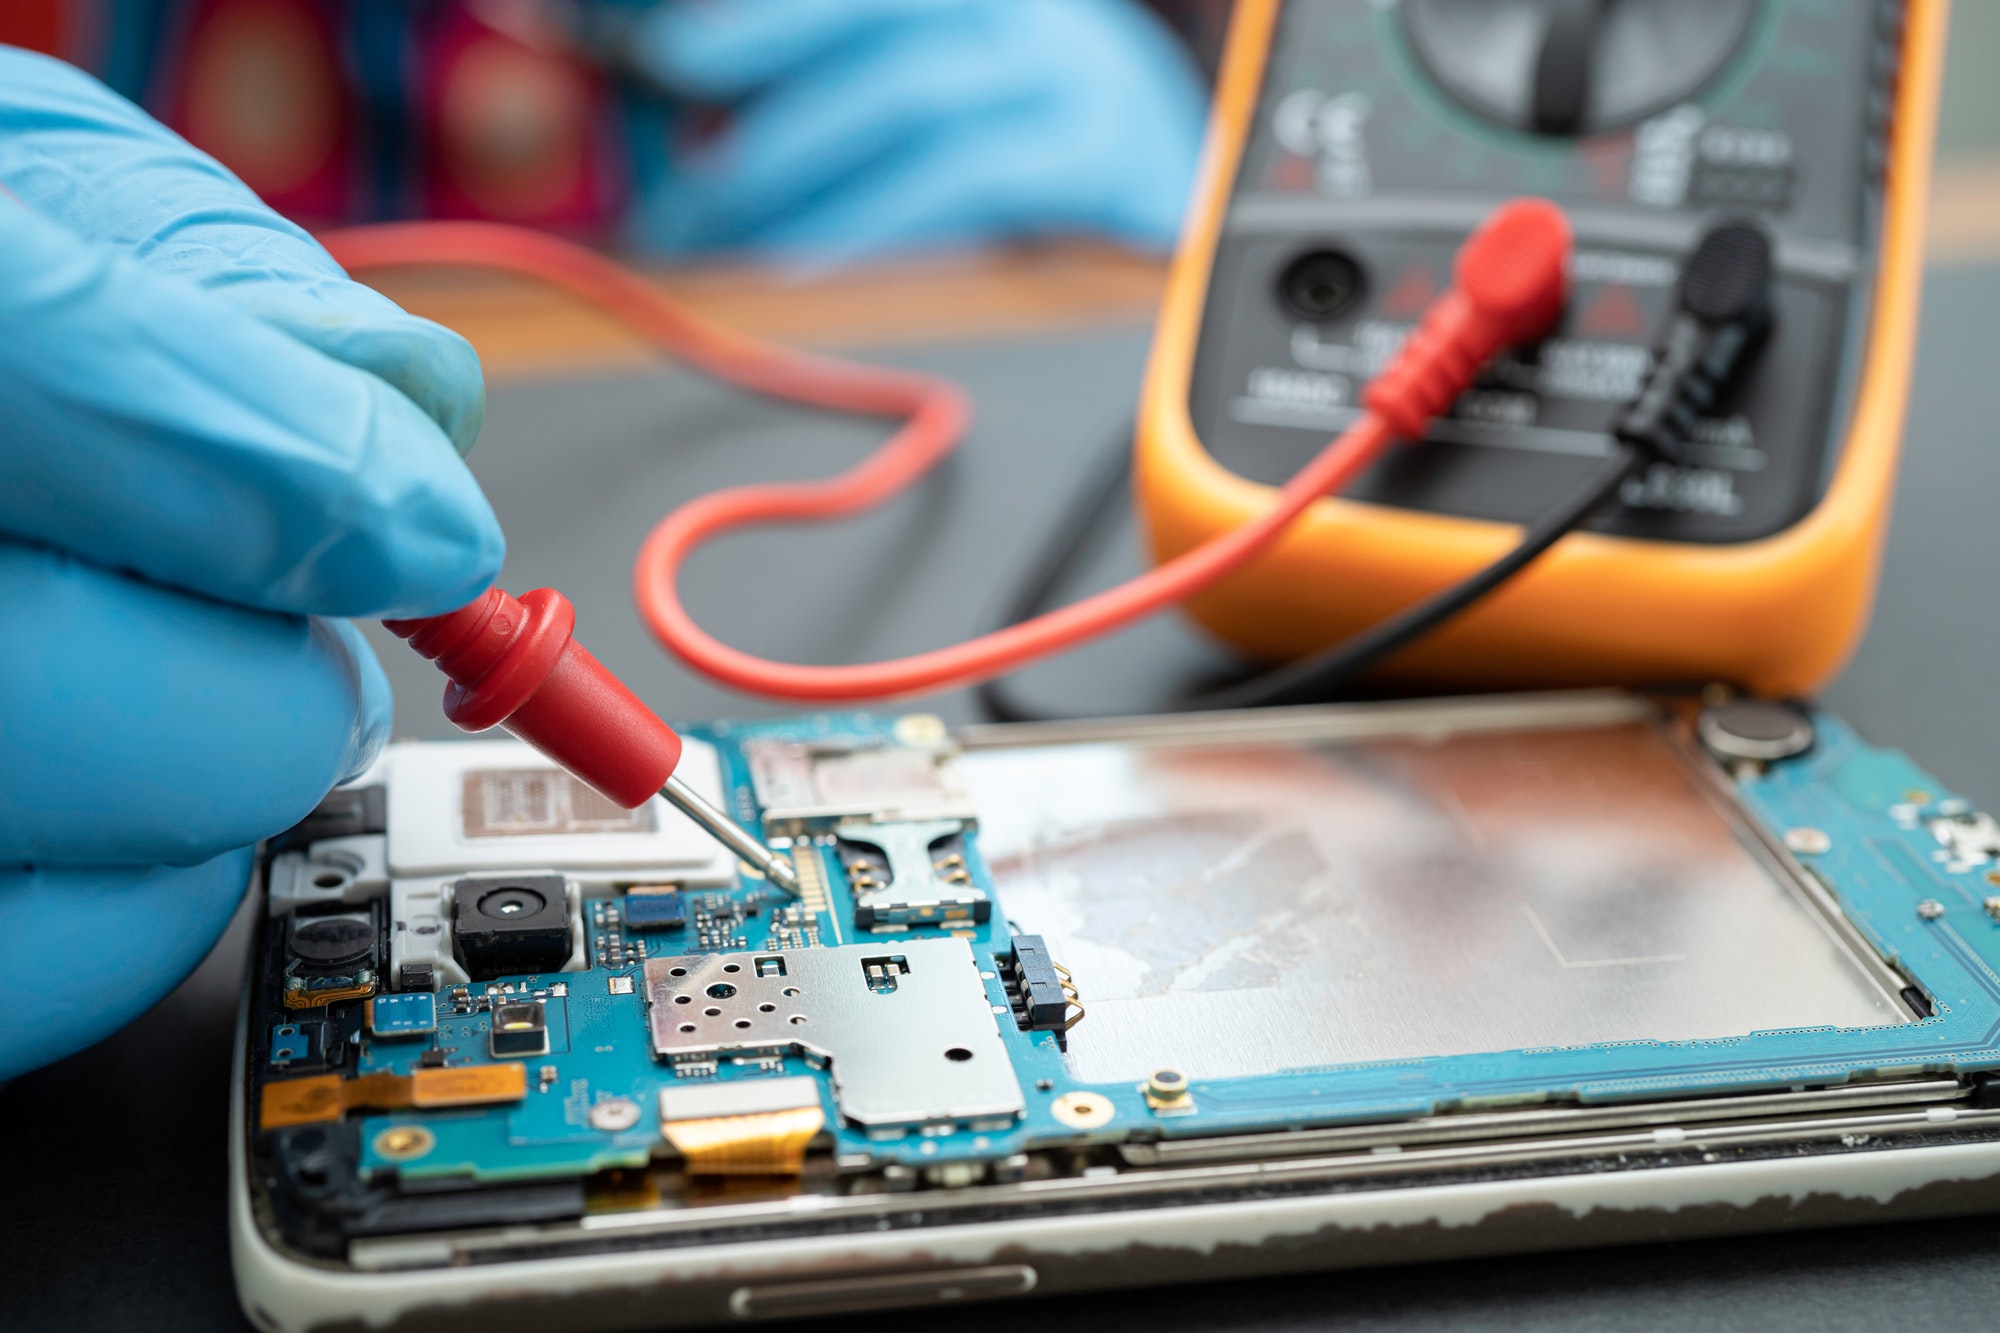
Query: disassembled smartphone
x,y
1088,1005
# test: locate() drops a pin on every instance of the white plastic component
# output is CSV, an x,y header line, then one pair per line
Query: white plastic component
x,y
420,930
427,820
332,870
579,942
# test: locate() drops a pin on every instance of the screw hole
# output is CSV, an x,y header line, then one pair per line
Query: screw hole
x,y
329,879
959,1054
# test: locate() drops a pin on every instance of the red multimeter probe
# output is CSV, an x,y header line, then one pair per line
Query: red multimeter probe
x,y
513,663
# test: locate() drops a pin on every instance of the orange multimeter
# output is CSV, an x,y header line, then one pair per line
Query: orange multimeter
x,y
1355,143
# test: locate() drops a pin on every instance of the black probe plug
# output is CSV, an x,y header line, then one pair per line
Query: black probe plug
x,y
1722,308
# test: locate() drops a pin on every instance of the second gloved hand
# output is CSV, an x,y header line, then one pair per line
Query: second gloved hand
x,y
215,446
860,126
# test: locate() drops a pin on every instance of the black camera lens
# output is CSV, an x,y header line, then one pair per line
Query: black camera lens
x,y
1320,284
512,902
506,927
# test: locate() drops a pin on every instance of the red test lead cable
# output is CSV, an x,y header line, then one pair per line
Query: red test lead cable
x,y
1511,279
1510,282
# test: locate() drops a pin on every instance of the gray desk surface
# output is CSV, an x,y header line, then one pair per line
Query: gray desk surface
x,y
114,1159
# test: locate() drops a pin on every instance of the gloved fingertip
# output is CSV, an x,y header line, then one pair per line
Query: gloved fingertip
x,y
470,568
374,712
463,426
439,370
422,537
435,367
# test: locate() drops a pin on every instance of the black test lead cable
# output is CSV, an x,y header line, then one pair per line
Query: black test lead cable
x,y
1722,308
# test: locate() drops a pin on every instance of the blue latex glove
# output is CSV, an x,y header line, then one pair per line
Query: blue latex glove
x,y
861,126
210,442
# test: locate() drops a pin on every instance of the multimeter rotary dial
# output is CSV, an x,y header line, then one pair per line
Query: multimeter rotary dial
x,y
1574,66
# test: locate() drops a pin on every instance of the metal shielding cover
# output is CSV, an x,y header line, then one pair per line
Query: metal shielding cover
x,y
801,786
907,1029
1238,906
918,891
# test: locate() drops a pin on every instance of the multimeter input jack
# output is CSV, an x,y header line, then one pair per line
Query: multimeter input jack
x,y
1321,284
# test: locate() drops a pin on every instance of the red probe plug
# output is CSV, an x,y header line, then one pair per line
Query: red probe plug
x,y
513,663
1510,282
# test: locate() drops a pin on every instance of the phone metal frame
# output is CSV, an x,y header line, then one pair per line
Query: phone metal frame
x,y
1194,1209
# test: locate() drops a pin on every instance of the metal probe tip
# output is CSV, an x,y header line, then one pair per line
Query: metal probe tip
x,y
730,834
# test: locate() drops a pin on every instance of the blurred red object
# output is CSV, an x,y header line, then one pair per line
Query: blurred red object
x,y
49,26
259,86
420,110
513,133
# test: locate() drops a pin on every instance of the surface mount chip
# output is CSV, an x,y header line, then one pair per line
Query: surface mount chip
x,y
403,1015
659,910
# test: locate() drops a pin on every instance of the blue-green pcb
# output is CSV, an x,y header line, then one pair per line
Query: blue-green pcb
x,y
974,1069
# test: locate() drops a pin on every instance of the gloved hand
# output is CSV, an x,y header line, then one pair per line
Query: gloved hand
x,y
860,126
210,442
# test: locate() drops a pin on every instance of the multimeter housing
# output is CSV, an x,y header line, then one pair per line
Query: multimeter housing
x,y
1355,143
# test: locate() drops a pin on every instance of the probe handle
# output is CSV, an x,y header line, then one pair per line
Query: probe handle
x,y
513,663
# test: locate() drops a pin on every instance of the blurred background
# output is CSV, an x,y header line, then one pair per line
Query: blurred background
x,y
680,126
983,188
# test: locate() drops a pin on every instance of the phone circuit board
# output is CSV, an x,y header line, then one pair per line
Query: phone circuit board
x,y
487,997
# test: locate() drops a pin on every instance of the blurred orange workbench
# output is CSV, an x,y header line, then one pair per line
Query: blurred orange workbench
x,y
525,331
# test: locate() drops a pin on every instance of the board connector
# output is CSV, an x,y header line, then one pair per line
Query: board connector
x,y
1034,986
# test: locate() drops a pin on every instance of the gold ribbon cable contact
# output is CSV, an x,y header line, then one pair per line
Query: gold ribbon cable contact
x,y
769,1143
306,1101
